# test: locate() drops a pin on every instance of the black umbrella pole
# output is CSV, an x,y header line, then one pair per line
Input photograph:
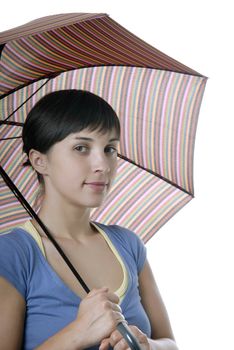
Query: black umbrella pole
x,y
125,331
33,214
16,192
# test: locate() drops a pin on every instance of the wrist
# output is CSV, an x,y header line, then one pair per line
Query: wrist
x,y
78,336
69,338
163,344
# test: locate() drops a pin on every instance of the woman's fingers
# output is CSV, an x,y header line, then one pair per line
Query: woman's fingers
x,y
103,292
117,341
99,314
113,297
115,338
96,291
108,305
115,317
116,307
121,345
105,343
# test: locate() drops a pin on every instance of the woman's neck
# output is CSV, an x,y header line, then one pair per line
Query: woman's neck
x,y
64,221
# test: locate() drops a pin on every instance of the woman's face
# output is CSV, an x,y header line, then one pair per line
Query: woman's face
x,y
81,168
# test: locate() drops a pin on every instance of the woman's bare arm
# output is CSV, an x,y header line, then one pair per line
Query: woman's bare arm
x,y
162,335
12,314
98,316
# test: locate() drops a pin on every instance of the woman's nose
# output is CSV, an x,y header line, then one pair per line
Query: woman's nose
x,y
101,163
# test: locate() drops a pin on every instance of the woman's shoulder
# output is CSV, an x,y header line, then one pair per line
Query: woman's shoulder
x,y
15,234
16,257
17,240
119,232
126,239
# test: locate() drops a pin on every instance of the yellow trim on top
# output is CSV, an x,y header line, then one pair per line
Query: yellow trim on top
x,y
29,227
120,292
122,289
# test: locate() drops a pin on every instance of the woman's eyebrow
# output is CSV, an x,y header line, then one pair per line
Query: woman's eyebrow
x,y
90,139
114,139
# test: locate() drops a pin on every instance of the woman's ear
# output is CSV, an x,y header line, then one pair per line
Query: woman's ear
x,y
38,161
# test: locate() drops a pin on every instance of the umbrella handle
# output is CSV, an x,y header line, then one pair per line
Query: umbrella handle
x,y
128,336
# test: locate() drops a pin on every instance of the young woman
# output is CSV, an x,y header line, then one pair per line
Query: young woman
x,y
71,139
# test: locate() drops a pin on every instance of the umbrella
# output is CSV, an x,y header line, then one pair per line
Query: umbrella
x,y
156,98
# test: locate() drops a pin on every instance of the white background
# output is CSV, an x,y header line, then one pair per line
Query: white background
x,y
192,255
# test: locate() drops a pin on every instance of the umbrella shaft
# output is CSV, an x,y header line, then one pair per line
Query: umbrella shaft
x,y
32,213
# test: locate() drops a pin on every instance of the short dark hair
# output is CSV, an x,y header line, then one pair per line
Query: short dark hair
x,y
63,112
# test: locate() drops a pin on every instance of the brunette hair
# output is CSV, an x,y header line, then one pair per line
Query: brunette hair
x,y
63,112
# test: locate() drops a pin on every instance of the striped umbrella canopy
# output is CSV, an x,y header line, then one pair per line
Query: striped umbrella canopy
x,y
156,98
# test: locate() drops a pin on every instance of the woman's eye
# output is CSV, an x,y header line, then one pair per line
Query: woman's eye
x,y
81,148
110,149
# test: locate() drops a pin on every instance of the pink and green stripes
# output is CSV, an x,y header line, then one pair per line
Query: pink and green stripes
x,y
137,200
12,213
74,42
140,201
156,98
158,111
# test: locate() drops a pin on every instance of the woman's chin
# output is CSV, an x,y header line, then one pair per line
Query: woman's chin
x,y
96,205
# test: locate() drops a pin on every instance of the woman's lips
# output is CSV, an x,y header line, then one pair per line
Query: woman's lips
x,y
96,186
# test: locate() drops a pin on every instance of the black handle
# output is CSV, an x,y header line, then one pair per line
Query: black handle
x,y
128,336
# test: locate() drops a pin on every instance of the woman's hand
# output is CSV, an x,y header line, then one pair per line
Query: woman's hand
x,y
117,341
98,316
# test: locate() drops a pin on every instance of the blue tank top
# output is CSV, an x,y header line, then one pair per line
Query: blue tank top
x,y
51,304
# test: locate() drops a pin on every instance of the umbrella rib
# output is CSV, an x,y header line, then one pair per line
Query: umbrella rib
x,y
32,213
55,74
156,174
28,99
9,122
11,138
